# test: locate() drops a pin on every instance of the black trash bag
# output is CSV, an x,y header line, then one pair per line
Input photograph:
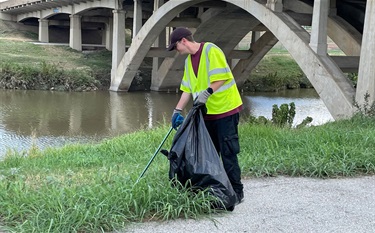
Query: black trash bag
x,y
194,159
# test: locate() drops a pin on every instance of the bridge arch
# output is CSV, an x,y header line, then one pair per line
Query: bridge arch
x,y
333,87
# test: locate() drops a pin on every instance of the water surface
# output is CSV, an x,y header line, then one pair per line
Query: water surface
x,y
46,118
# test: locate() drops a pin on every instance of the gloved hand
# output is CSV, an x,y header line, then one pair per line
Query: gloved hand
x,y
177,118
202,97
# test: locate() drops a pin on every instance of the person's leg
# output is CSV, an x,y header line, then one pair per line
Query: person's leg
x,y
224,134
211,128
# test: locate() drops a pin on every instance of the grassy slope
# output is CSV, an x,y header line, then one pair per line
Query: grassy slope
x,y
17,47
89,188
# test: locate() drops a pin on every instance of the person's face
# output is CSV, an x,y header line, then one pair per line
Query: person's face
x,y
180,46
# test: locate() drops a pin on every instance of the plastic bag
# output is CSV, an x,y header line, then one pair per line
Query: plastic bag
x,y
193,158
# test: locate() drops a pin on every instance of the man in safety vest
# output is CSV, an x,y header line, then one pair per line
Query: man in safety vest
x,y
208,78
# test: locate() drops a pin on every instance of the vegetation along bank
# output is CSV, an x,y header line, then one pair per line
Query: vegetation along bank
x,y
91,187
29,66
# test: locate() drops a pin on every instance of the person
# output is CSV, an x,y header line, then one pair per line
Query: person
x,y
209,80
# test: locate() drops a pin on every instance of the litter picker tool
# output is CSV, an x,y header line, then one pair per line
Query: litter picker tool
x,y
153,157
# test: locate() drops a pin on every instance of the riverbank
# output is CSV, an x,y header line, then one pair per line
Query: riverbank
x,y
27,65
59,68
91,187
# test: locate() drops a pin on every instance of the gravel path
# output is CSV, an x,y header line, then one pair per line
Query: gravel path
x,y
285,204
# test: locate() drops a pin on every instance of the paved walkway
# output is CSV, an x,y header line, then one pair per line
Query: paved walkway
x,y
286,204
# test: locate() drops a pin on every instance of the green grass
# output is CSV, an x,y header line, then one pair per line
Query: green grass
x,y
23,66
342,148
91,188
27,53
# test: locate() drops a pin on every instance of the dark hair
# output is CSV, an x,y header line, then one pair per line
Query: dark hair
x,y
189,38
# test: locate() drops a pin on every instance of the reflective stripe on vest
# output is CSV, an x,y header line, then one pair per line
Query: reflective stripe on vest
x,y
209,73
187,73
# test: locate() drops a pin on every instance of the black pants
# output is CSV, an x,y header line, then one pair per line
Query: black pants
x,y
224,134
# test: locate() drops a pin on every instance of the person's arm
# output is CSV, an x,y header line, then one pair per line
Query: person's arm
x,y
216,85
203,96
184,100
177,118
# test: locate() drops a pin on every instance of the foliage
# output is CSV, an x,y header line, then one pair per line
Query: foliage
x,y
340,148
305,122
31,66
276,72
367,109
46,77
284,115
281,117
353,77
91,188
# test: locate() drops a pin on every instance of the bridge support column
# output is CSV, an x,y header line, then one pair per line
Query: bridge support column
x,y
137,17
109,35
118,49
43,30
255,35
233,62
333,8
75,37
318,40
366,74
159,42
275,5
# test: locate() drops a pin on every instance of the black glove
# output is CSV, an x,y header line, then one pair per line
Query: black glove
x,y
177,118
203,96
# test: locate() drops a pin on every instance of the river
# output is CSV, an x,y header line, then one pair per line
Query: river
x,y
46,118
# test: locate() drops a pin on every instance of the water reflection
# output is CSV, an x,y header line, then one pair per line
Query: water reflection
x,y
56,118
307,103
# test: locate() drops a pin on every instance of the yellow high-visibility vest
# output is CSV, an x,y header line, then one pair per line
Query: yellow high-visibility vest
x,y
212,67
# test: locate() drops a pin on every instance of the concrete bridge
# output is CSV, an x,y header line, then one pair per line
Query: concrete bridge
x,y
349,23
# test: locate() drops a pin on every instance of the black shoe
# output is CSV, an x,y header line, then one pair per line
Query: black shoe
x,y
240,197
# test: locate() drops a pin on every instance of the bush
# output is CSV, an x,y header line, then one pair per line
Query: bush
x,y
45,77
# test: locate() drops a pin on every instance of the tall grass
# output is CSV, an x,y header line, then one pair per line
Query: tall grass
x,y
342,148
91,188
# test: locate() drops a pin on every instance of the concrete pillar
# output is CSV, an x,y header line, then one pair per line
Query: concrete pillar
x,y
109,34
75,36
275,5
366,74
234,62
137,17
255,35
333,8
318,39
118,46
43,30
159,42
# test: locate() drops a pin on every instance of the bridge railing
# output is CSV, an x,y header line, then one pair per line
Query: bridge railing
x,y
23,3
17,3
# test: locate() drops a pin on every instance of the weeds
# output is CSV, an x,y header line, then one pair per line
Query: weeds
x,y
367,109
91,188
281,117
284,115
46,77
